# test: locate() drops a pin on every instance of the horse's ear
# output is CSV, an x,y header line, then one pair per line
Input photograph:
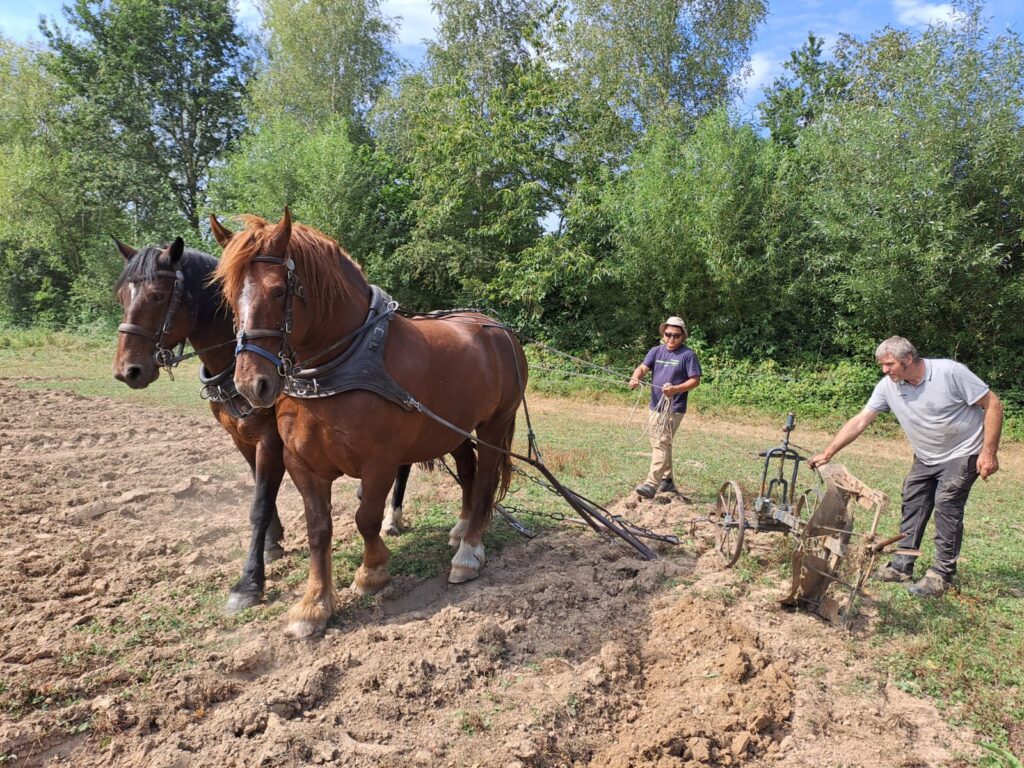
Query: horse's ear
x,y
176,250
281,234
171,255
221,233
126,250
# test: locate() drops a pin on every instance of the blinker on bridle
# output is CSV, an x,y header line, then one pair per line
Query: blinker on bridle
x,y
283,360
164,357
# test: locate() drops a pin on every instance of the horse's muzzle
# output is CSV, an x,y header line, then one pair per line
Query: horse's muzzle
x,y
261,391
136,376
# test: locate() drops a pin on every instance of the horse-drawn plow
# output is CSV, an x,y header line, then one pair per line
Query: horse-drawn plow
x,y
333,370
831,560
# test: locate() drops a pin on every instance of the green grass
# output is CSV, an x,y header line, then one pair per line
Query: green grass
x,y
964,651
43,359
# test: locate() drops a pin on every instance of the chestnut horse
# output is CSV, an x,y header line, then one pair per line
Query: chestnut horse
x,y
167,299
299,297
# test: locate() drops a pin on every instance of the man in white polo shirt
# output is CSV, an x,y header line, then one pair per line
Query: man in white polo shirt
x,y
953,422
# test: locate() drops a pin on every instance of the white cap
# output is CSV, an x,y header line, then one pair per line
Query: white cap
x,y
676,321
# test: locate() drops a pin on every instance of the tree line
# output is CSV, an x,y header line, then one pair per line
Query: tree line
x,y
573,164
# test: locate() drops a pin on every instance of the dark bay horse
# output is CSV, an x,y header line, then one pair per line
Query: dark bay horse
x,y
167,298
299,297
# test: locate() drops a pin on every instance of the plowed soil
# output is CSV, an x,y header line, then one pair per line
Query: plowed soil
x,y
124,526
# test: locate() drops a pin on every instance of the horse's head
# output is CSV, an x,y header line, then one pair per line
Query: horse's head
x,y
262,287
150,290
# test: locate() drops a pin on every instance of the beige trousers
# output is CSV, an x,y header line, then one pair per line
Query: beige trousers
x,y
662,428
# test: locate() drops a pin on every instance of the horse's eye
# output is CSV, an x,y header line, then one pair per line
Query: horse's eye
x,y
279,293
158,296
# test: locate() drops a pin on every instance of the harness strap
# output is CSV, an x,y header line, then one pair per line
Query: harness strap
x,y
138,330
221,389
282,360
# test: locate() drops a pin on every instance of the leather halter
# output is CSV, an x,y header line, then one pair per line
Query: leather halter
x,y
164,357
283,361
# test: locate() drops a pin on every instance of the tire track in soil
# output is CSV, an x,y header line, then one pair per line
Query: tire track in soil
x,y
124,526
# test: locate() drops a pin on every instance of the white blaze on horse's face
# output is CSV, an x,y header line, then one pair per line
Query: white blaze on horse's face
x,y
245,302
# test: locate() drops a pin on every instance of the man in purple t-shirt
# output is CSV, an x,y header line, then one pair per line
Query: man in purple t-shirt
x,y
676,371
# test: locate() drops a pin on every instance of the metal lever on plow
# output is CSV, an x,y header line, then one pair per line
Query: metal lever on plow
x,y
878,546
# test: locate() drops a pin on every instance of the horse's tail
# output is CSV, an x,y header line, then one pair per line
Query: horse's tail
x,y
505,462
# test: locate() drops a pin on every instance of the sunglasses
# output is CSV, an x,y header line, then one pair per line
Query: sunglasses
x,y
673,335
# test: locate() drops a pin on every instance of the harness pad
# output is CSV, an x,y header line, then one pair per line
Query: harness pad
x,y
361,366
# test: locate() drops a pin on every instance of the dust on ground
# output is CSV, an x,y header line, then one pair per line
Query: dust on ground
x,y
124,527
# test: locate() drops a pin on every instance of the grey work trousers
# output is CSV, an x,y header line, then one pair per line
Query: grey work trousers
x,y
944,489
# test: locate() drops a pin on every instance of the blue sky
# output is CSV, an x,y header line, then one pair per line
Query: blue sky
x,y
784,29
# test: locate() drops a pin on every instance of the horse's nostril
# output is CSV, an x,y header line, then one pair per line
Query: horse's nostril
x,y
262,386
133,373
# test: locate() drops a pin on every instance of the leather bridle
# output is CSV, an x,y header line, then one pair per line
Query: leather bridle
x,y
164,357
284,360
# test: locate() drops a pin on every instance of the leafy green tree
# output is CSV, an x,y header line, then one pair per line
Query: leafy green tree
x,y
154,92
331,181
49,262
657,59
797,99
477,132
919,213
326,59
687,224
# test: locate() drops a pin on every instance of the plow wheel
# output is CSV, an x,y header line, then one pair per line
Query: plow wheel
x,y
807,504
731,522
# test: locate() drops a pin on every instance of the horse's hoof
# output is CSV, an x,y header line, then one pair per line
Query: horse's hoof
x,y
239,601
459,574
272,553
370,581
467,563
303,629
390,530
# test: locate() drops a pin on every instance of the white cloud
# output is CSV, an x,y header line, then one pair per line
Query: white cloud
x,y
914,13
249,16
414,18
764,68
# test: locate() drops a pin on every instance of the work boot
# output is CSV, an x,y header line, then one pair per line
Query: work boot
x,y
888,573
931,585
646,490
667,486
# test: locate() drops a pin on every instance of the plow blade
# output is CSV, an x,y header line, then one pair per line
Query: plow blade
x,y
828,573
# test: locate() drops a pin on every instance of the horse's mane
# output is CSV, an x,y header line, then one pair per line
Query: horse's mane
x,y
327,272
202,299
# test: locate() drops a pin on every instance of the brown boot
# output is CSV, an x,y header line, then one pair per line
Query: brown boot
x,y
931,585
888,573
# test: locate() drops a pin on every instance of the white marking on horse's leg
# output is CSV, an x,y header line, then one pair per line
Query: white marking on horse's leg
x,y
457,532
392,525
467,563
